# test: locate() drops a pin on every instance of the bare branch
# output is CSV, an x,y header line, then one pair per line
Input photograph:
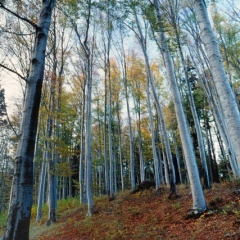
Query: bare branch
x,y
13,71
18,16
18,34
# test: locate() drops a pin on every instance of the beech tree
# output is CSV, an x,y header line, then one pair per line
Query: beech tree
x,y
224,91
213,98
124,62
22,187
202,69
137,85
162,126
125,79
199,203
87,48
174,20
115,148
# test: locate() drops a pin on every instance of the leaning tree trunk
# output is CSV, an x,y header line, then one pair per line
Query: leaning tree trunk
x,y
223,88
155,156
161,121
21,194
193,110
199,203
219,119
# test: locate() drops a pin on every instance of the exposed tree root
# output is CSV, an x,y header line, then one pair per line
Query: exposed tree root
x,y
192,214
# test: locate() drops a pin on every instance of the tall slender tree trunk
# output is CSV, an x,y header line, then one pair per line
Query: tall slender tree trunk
x,y
161,121
106,163
193,108
131,147
111,192
155,156
214,162
120,149
141,156
41,189
177,157
21,194
51,163
110,130
88,157
129,118
88,141
199,203
82,192
51,175
219,119
100,144
82,189
209,149
223,88
167,181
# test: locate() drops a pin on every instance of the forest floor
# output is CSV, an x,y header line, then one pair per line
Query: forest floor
x,y
144,215
148,215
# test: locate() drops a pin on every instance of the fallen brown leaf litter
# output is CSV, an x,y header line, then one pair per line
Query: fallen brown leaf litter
x,y
148,214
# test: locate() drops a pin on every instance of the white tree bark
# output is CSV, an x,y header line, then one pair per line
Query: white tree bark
x,y
225,93
149,82
82,192
141,156
131,147
120,149
21,194
111,192
88,142
41,189
219,119
155,156
199,203
192,104
197,125
52,190
161,121
110,130
125,83
88,158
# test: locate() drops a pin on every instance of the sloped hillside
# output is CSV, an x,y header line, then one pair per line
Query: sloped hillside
x,y
149,215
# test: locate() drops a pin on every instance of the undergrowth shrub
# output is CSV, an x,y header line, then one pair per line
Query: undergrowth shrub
x,y
68,203
3,220
62,206
34,211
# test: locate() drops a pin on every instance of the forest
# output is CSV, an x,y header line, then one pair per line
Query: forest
x,y
115,96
